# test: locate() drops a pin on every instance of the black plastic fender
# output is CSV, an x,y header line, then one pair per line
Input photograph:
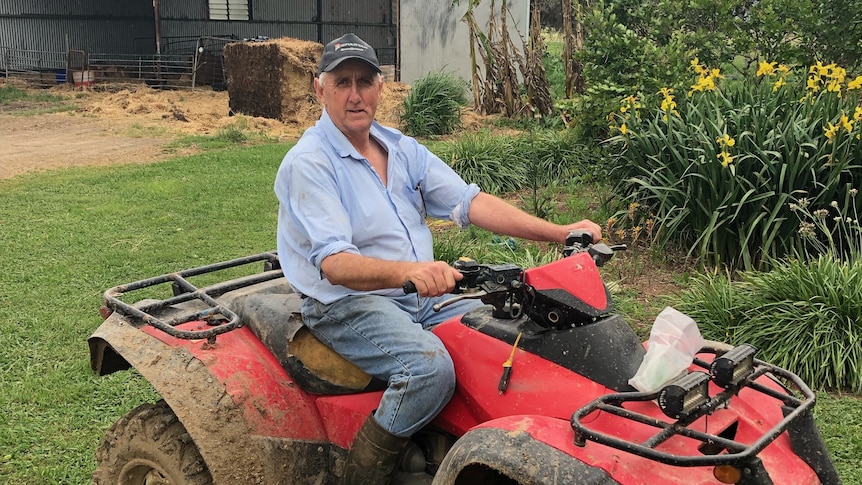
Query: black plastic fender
x,y
518,456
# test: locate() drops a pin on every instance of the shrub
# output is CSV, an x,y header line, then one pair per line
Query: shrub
x,y
500,164
493,163
803,316
621,56
433,106
720,167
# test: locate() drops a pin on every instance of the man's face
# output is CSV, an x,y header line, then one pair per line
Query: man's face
x,y
350,94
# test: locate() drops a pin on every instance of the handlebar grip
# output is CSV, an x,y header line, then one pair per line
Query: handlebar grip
x,y
579,236
408,287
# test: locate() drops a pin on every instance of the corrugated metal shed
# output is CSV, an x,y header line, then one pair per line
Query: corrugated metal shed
x,y
430,35
58,25
75,8
129,27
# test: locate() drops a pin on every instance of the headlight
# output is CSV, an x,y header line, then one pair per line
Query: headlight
x,y
733,367
685,395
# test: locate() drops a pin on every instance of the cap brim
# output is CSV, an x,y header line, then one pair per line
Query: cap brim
x,y
332,65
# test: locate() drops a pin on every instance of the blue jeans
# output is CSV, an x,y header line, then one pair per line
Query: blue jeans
x,y
388,338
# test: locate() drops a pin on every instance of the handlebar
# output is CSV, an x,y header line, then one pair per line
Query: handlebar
x,y
478,277
485,279
409,287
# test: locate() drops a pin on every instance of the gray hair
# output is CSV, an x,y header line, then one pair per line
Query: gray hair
x,y
322,82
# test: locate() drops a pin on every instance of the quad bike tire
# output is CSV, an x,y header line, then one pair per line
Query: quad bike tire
x,y
149,446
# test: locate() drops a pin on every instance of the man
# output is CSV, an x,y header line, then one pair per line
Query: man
x,y
353,198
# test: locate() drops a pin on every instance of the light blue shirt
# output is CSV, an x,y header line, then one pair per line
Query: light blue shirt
x,y
331,201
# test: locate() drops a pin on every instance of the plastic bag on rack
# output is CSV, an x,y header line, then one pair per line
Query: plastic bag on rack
x,y
673,342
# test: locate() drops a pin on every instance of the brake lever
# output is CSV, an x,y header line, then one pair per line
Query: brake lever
x,y
476,295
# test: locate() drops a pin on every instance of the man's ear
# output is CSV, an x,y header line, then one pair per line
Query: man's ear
x,y
318,89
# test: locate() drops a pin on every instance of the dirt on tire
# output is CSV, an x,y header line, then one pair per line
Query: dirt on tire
x,y
149,443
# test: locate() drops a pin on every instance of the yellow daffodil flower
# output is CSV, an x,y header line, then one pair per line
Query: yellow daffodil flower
x,y
766,69
820,69
668,104
726,158
698,68
725,141
855,84
838,73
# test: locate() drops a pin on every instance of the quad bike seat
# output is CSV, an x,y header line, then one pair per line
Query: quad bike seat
x,y
276,320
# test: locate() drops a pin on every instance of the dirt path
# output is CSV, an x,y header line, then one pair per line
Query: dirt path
x,y
47,142
114,124
133,124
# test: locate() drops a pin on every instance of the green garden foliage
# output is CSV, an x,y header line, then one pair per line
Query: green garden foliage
x,y
618,59
433,106
805,316
718,167
500,164
635,46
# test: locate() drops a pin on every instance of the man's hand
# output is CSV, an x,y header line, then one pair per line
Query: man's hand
x,y
433,279
586,225
363,273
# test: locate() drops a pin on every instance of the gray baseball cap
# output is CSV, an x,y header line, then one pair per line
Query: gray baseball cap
x,y
348,46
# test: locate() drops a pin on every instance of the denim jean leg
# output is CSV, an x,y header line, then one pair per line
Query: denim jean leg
x,y
382,339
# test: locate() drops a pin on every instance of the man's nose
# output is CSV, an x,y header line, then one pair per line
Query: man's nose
x,y
353,91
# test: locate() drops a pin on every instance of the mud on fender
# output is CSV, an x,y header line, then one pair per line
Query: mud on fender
x,y
518,456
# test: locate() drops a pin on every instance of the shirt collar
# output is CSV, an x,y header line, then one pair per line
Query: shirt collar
x,y
340,142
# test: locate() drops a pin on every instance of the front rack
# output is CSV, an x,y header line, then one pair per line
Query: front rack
x,y
184,291
736,454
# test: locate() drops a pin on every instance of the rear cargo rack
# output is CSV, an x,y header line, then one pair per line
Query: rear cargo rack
x,y
184,291
733,452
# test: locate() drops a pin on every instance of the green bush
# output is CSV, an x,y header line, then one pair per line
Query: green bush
x,y
803,316
500,164
622,56
634,47
433,106
719,168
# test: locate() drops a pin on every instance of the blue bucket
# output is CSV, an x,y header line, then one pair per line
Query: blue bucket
x,y
61,76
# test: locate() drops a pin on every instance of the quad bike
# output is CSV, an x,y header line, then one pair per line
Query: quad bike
x,y
542,396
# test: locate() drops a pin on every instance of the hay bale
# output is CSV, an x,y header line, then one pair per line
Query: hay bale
x,y
272,79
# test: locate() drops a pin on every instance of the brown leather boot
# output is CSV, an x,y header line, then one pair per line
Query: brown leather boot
x,y
373,456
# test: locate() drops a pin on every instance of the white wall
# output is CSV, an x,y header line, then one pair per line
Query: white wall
x,y
433,37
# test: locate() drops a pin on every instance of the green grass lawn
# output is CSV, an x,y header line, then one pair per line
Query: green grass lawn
x,y
66,236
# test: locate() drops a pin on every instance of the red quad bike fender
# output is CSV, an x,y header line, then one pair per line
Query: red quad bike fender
x,y
234,399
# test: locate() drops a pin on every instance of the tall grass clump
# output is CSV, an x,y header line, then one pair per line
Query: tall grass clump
x,y
718,167
29,102
433,106
804,314
501,164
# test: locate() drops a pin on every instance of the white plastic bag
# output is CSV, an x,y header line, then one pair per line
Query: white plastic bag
x,y
673,341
